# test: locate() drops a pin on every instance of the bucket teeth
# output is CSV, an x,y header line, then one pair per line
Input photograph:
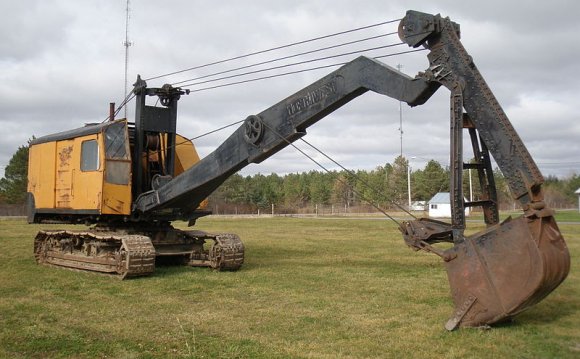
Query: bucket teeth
x,y
460,312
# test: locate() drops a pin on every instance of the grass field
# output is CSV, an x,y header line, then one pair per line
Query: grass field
x,y
310,288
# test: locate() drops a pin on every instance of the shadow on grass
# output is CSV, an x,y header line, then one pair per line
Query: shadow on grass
x,y
551,309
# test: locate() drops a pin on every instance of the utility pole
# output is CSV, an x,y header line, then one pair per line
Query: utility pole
x,y
400,67
409,184
470,187
126,43
409,169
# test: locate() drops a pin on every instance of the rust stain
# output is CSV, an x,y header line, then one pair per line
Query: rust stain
x,y
65,155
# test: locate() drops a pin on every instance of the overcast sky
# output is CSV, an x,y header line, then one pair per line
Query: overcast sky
x,y
62,62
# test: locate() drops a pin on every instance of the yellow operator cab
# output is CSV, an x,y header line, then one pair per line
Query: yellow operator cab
x,y
87,172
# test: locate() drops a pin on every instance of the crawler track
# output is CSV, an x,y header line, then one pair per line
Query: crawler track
x,y
227,252
129,252
121,255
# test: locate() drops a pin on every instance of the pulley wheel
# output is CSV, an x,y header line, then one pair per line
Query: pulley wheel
x,y
254,129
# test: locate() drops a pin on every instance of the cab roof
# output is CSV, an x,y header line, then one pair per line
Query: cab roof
x,y
89,129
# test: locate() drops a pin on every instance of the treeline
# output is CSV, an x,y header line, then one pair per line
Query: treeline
x,y
385,186
337,191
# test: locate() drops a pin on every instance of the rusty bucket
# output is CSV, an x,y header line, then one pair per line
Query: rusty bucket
x,y
498,273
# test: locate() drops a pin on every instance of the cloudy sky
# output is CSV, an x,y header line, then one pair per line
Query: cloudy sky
x,y
62,62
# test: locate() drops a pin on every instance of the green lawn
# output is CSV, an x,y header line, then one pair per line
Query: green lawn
x,y
310,288
564,215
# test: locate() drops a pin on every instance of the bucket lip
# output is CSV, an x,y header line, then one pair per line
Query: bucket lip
x,y
509,267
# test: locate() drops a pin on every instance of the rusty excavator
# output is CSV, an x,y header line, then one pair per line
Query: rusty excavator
x,y
130,180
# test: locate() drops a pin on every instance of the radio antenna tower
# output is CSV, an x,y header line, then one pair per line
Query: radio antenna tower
x,y
400,67
127,43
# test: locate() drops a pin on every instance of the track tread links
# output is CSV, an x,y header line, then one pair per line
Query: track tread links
x,y
121,255
127,255
227,253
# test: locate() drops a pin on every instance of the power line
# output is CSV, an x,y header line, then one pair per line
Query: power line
x,y
272,49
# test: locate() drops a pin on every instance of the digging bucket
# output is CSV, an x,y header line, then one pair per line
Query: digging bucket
x,y
498,273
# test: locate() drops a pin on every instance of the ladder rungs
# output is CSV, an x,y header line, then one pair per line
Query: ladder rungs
x,y
482,203
474,166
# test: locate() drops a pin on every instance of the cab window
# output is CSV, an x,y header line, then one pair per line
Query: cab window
x,y
89,156
117,164
115,141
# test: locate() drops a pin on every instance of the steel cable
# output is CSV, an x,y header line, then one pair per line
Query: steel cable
x,y
130,97
295,72
293,64
272,49
125,101
358,178
285,58
257,79
338,179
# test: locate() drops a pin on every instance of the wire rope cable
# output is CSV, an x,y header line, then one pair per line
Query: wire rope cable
x,y
125,101
258,79
292,64
131,96
285,58
376,206
293,72
252,80
272,49
202,135
214,131
358,178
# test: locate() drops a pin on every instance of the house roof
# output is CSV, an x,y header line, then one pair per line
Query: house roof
x,y
441,197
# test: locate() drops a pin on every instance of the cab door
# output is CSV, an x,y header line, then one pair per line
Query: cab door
x,y
88,179
64,174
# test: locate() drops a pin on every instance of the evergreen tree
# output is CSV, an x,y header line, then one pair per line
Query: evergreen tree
x,y
295,189
382,186
13,185
429,181
572,184
321,187
397,180
504,195
233,189
342,190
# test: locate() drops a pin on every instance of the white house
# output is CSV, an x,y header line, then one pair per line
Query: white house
x,y
578,193
440,206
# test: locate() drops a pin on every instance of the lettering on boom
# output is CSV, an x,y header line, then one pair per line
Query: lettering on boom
x,y
311,98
